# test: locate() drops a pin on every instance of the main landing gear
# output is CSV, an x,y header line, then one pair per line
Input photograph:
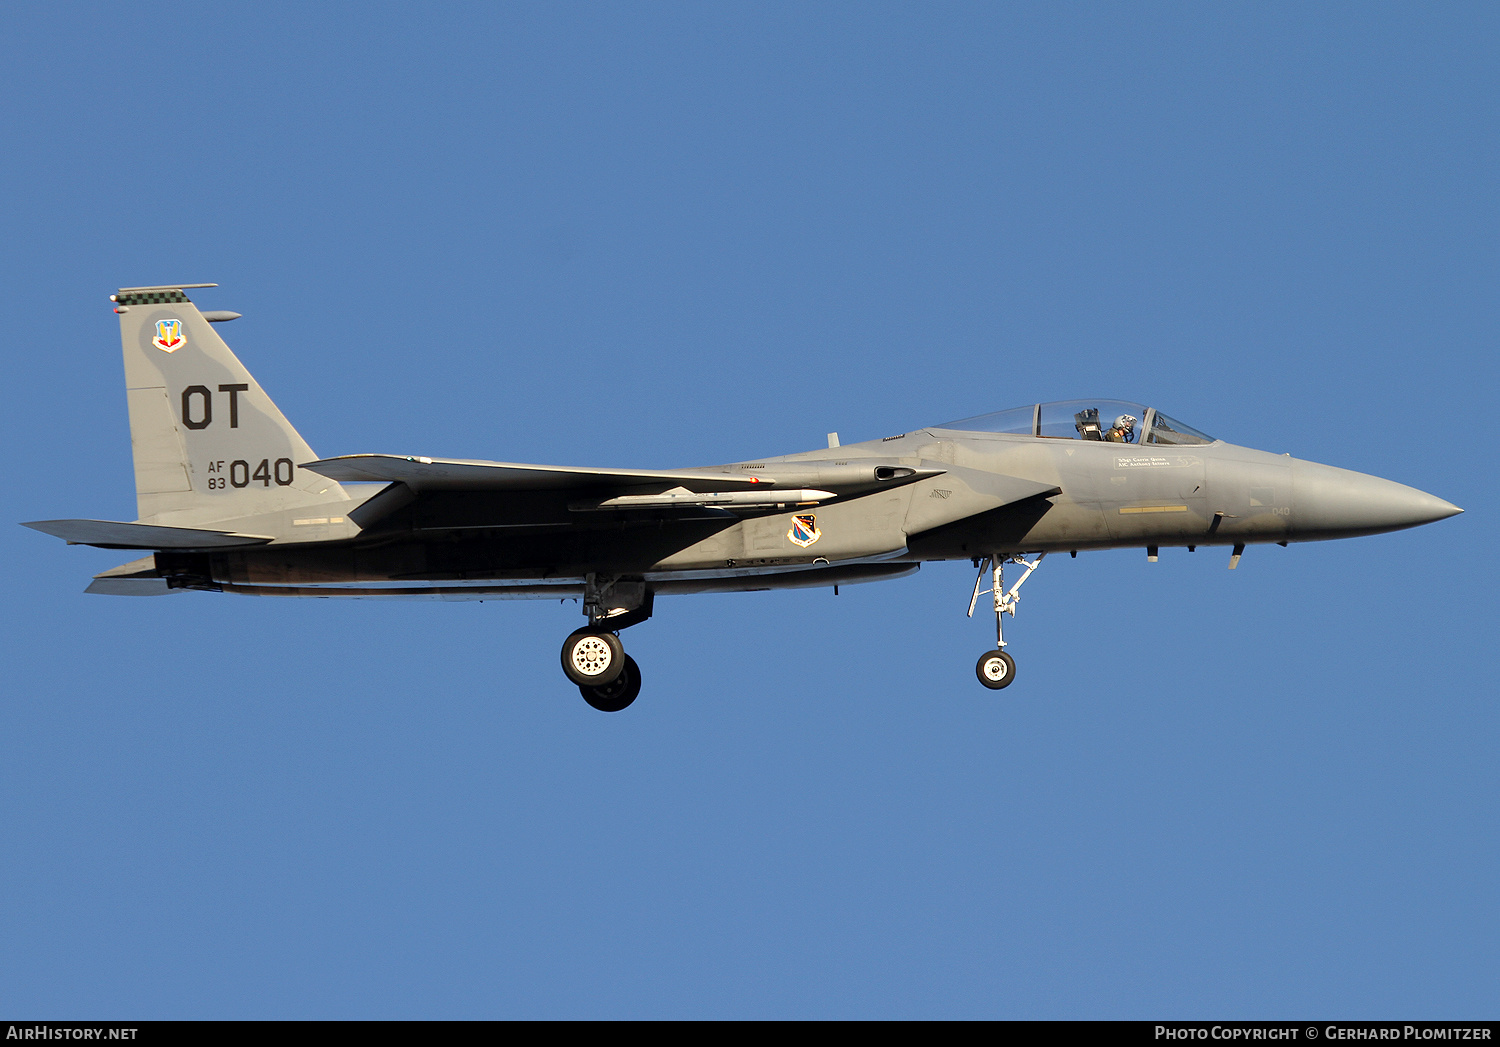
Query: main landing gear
x,y
593,657
606,676
996,669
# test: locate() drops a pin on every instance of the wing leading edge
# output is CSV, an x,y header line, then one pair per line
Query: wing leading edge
x,y
458,473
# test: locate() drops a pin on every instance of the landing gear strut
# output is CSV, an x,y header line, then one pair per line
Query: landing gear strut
x,y
593,657
996,669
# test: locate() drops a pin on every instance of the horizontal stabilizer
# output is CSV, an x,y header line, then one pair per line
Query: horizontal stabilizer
x,y
137,578
113,534
434,473
131,587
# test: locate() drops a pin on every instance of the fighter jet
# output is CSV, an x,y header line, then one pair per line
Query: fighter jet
x,y
231,499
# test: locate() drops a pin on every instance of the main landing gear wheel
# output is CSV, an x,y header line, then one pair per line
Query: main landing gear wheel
x,y
592,657
612,697
996,669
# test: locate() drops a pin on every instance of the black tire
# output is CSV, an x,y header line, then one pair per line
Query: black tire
x,y
612,697
995,669
592,657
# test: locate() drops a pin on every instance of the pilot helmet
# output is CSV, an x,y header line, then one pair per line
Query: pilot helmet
x,y
1125,421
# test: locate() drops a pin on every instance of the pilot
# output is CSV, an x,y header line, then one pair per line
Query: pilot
x,y
1123,431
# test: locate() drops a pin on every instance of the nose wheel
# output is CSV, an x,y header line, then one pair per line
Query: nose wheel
x,y
996,669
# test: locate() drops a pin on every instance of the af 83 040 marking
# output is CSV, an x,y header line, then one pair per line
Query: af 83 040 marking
x,y
237,474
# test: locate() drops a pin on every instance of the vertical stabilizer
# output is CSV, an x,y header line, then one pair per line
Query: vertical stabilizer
x,y
208,443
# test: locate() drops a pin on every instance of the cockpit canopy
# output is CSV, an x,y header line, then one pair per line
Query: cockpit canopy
x,y
1113,421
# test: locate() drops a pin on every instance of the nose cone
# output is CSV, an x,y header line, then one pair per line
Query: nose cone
x,y
1338,503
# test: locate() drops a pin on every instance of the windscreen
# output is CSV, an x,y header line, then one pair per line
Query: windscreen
x,y
1166,430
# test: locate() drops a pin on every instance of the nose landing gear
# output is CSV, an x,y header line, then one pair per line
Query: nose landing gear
x,y
996,669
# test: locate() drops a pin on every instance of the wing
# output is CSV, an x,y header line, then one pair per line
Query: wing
x,y
459,494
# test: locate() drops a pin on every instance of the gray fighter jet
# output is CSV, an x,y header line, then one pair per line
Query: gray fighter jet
x,y
231,499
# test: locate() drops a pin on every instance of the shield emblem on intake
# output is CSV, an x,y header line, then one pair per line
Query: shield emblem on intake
x,y
169,336
804,530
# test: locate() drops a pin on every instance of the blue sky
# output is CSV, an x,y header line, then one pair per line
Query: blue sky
x,y
657,235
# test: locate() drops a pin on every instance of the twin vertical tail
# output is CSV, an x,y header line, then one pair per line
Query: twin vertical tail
x,y
208,443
